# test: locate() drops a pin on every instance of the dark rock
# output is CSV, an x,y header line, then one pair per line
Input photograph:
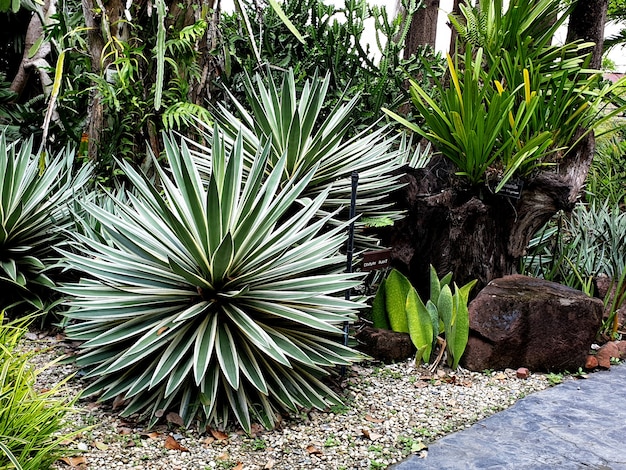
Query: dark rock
x,y
518,321
385,345
522,373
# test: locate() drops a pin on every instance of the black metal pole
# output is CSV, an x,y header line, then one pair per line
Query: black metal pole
x,y
350,246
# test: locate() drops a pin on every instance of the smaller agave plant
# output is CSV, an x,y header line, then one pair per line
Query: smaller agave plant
x,y
313,138
35,200
212,298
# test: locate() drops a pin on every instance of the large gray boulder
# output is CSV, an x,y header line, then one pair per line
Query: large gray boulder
x,y
519,321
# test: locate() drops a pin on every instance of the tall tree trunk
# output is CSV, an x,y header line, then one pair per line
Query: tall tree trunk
x,y
456,11
423,28
37,61
95,112
475,233
586,22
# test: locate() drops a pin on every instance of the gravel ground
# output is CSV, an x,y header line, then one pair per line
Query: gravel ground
x,y
390,411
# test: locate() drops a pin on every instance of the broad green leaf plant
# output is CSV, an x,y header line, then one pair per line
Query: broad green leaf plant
x,y
398,306
35,201
213,298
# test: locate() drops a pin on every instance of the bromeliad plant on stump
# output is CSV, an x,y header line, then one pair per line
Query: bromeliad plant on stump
x,y
513,125
212,298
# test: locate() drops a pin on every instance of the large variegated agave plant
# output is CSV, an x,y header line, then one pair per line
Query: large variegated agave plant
x,y
314,138
35,198
212,298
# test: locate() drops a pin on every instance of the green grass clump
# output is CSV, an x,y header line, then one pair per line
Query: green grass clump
x,y
31,420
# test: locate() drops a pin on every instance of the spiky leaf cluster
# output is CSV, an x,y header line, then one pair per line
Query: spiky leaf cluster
x,y
215,297
34,211
311,138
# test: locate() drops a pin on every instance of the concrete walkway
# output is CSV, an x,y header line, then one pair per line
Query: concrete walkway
x,y
579,424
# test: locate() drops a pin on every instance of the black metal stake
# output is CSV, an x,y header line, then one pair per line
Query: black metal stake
x,y
350,251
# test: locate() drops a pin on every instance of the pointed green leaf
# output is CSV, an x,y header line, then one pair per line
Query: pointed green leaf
x,y
379,310
420,326
226,350
397,287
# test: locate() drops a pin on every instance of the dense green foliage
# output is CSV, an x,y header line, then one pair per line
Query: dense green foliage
x,y
516,102
31,420
166,70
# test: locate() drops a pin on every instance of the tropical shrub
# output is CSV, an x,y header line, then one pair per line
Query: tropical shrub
x,y
607,176
514,103
31,420
35,199
212,298
398,306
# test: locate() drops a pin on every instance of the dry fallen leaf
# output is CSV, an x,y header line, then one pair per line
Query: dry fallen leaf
x,y
162,330
175,418
173,444
239,466
371,419
269,465
256,429
219,435
208,441
74,461
223,456
123,430
311,450
119,401
372,436
100,445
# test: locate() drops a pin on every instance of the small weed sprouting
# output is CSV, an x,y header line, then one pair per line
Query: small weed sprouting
x,y
375,464
259,444
340,409
410,445
332,441
554,379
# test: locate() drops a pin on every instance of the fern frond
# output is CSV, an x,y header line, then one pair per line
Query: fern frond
x,y
182,112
